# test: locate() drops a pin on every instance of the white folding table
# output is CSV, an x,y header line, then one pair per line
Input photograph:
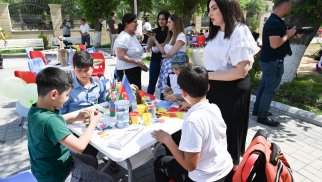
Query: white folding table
x,y
143,140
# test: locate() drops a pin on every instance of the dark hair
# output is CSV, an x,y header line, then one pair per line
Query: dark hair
x,y
190,77
120,28
112,13
177,29
166,15
52,78
255,35
82,59
127,19
146,19
277,3
231,12
192,24
83,19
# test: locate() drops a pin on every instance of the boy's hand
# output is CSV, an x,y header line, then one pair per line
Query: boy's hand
x,y
84,114
161,136
183,106
95,117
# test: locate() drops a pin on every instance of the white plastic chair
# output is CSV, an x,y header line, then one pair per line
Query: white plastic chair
x,y
36,64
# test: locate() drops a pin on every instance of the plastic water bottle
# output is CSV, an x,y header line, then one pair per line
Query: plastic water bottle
x,y
122,113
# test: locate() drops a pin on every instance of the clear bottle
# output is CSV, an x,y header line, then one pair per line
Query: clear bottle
x,y
122,113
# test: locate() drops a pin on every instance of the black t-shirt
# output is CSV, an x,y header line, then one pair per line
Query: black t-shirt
x,y
110,23
98,26
160,36
274,26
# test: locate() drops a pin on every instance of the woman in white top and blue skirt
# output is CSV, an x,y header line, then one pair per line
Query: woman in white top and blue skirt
x,y
228,57
175,43
129,52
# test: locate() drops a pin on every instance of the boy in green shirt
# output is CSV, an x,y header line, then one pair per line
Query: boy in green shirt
x,y
49,139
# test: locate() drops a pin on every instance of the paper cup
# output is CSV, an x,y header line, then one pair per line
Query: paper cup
x,y
134,116
141,109
147,118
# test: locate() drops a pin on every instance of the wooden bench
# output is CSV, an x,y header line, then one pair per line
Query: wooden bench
x,y
18,44
73,40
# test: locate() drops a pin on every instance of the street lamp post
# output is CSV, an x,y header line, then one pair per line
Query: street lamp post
x,y
135,7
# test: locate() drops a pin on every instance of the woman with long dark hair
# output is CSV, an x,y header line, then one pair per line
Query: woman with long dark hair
x,y
228,57
155,63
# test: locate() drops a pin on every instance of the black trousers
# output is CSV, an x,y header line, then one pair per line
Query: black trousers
x,y
233,100
166,167
176,138
132,74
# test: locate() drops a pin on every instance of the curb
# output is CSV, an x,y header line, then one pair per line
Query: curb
x,y
296,112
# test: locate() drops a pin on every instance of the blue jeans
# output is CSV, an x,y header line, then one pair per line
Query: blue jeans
x,y
271,78
86,39
153,75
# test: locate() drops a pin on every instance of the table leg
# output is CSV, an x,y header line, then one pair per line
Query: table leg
x,y
106,165
129,170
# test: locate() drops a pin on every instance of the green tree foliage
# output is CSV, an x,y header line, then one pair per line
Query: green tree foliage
x,y
45,39
93,9
305,13
184,8
253,8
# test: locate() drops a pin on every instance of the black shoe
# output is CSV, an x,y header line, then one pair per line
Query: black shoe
x,y
268,121
255,114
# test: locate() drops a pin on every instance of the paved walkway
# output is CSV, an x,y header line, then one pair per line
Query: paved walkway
x,y
299,140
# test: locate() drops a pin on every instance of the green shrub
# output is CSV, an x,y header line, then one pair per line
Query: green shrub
x,y
146,59
255,69
45,39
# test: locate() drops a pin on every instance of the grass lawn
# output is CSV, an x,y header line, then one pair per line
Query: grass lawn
x,y
305,91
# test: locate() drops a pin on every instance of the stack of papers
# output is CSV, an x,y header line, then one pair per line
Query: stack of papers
x,y
120,138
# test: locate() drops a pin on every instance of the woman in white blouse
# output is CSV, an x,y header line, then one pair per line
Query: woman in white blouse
x,y
228,57
176,42
129,51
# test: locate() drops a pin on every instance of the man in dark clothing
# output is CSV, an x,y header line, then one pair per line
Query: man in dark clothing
x,y
113,30
97,34
275,47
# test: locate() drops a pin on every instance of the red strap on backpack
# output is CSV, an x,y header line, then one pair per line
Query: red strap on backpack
x,y
248,166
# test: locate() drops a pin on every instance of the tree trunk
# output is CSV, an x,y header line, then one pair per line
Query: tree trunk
x,y
188,14
186,19
291,63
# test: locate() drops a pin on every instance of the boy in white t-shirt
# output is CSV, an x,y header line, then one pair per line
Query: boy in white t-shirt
x,y
203,147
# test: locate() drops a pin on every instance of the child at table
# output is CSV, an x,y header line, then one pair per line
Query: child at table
x,y
203,147
49,139
172,91
87,90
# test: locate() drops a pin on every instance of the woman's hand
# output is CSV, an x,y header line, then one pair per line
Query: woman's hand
x,y
166,55
171,98
142,66
161,136
152,37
